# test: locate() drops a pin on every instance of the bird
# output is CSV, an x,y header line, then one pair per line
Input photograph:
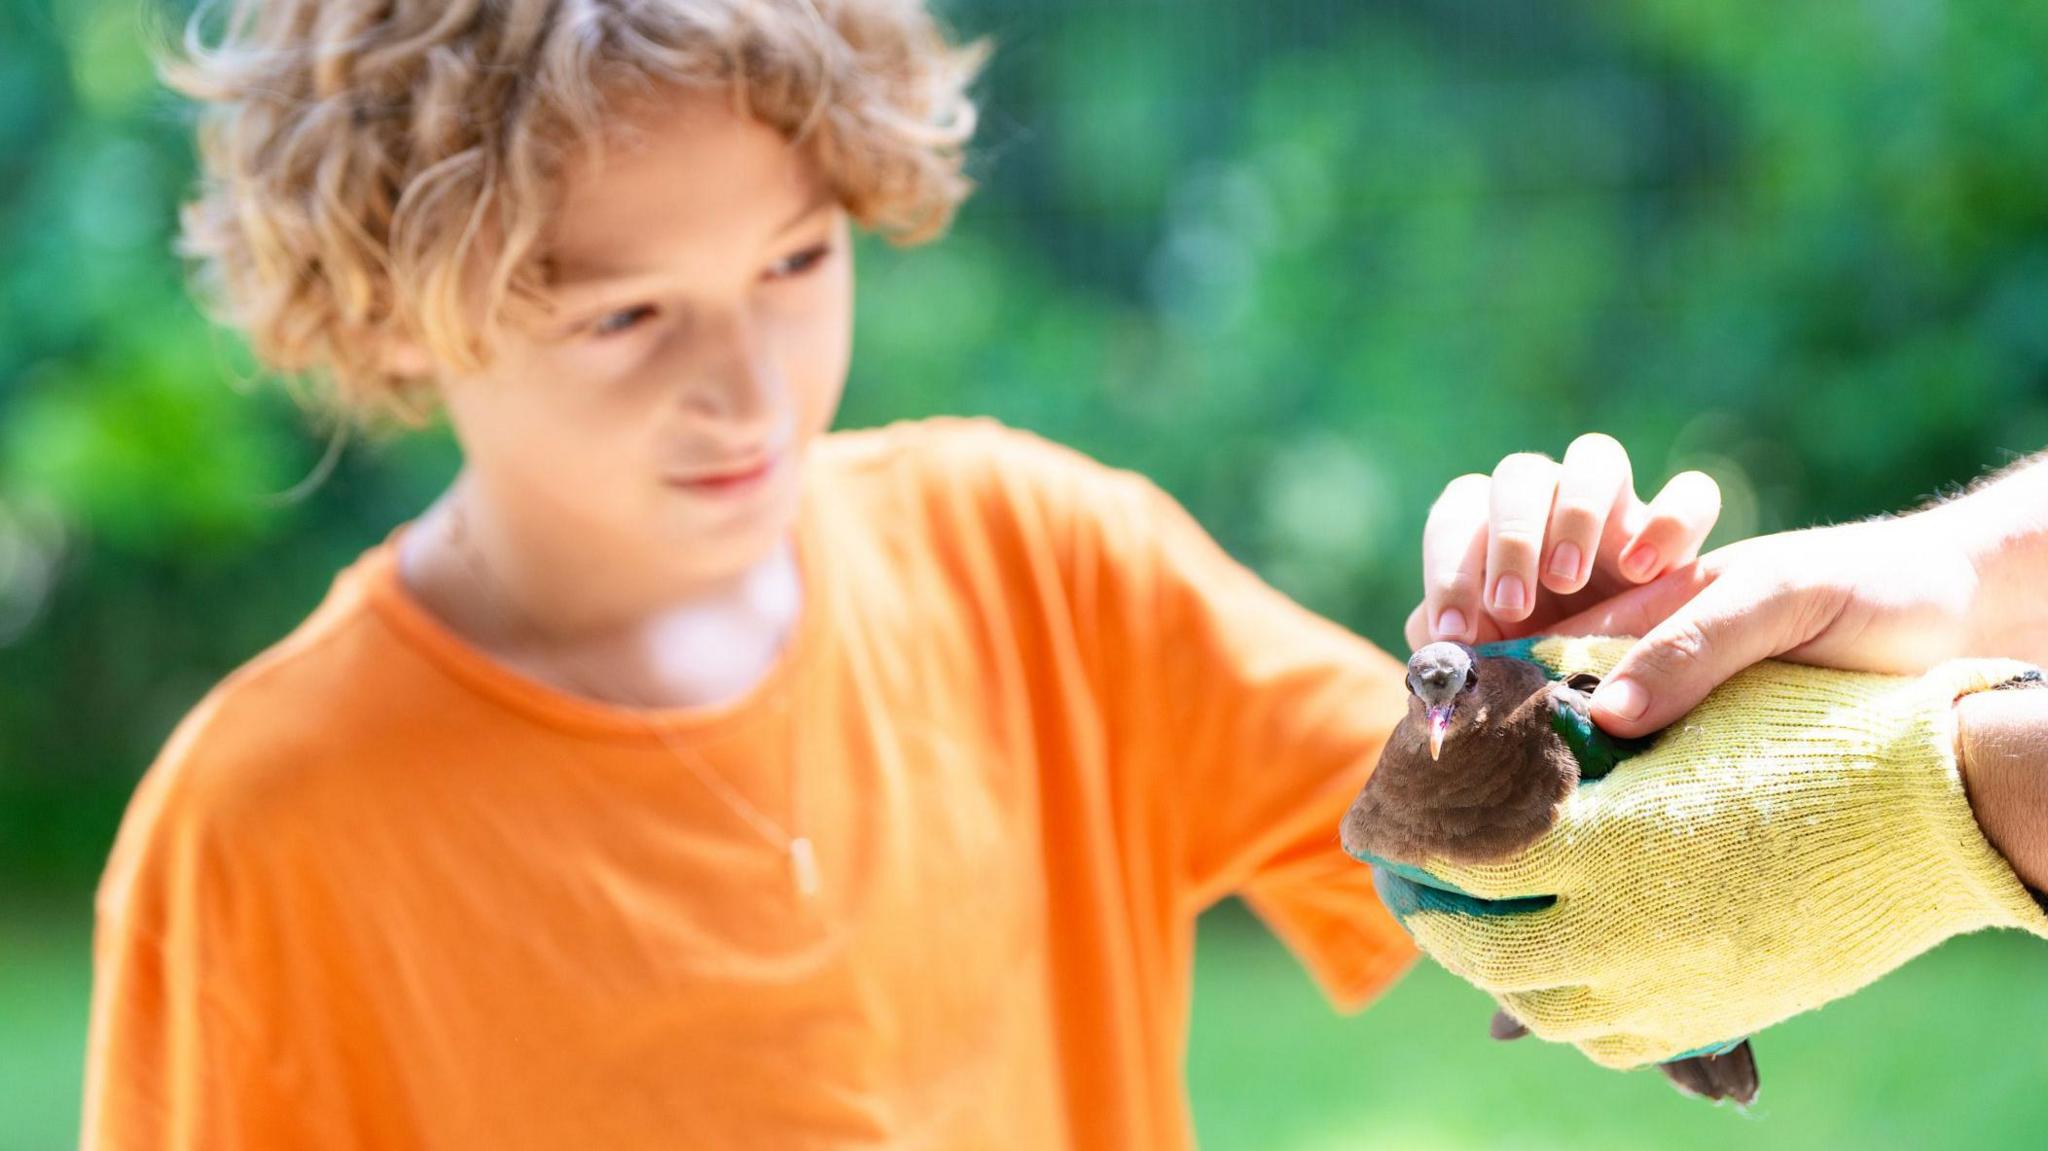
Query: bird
x,y
1474,773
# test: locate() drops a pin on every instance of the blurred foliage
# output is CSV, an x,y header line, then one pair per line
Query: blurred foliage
x,y
1302,261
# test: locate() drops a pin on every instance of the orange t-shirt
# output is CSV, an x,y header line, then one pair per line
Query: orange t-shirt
x,y
380,891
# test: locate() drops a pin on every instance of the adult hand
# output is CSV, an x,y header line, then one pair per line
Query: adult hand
x,y
1888,595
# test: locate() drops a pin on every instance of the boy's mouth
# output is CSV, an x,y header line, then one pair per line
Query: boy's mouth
x,y
729,479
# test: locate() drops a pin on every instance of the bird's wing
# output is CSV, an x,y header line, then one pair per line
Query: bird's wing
x,y
1596,751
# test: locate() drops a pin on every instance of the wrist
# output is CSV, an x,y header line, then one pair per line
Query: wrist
x,y
2002,756
2002,530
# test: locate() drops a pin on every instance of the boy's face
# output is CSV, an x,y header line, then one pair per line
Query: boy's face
x,y
700,331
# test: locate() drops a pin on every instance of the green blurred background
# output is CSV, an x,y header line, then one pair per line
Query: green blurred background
x,y
1302,261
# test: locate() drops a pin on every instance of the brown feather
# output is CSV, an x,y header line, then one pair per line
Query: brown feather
x,y
1494,791
1717,1077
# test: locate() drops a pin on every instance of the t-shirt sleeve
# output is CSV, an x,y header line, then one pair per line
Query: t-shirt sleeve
x,y
170,1064
174,1057
1251,722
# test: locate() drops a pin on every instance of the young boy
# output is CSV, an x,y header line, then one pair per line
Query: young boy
x,y
686,776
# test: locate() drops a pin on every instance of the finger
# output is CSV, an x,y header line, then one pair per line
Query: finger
x,y
1676,523
1730,625
1524,486
1416,631
1454,558
1594,474
1491,631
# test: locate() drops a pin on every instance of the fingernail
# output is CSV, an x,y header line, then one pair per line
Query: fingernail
x,y
1622,697
1564,562
1509,595
1451,623
1639,561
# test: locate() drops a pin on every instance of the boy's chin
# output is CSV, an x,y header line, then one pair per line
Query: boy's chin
x,y
730,532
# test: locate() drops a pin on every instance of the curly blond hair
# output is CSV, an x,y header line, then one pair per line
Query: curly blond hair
x,y
381,170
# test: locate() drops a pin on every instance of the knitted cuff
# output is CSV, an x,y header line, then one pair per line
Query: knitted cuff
x,y
2007,901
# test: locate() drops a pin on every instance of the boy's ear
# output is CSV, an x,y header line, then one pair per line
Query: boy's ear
x,y
407,357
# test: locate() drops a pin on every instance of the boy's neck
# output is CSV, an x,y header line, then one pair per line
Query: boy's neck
x,y
597,618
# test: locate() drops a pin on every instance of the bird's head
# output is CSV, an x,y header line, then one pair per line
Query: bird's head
x,y
1439,676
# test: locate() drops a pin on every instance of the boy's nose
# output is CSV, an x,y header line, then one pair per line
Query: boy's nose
x,y
735,380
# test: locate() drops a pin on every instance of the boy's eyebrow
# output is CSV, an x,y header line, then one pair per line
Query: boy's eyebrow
x,y
587,275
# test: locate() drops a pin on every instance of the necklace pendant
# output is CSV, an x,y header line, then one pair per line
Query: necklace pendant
x,y
803,863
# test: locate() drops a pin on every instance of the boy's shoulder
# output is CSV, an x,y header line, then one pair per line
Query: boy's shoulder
x,y
978,460
266,743
998,510
932,440
280,703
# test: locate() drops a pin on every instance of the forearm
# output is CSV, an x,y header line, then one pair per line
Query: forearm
x,y
2002,750
2002,526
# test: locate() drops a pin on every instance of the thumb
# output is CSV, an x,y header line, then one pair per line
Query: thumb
x,y
1637,610
1728,626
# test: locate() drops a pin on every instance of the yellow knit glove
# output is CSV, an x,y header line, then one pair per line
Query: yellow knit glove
x,y
1797,835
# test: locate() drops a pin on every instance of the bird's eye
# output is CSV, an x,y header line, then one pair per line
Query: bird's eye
x,y
1471,678
625,319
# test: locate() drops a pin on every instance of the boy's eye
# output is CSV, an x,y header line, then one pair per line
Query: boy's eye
x,y
790,267
612,323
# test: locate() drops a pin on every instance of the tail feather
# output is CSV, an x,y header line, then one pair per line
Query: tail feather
x,y
1717,1077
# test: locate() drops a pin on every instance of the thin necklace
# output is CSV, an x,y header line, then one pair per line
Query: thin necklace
x,y
796,847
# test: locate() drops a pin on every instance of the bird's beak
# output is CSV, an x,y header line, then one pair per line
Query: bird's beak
x,y
1439,722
